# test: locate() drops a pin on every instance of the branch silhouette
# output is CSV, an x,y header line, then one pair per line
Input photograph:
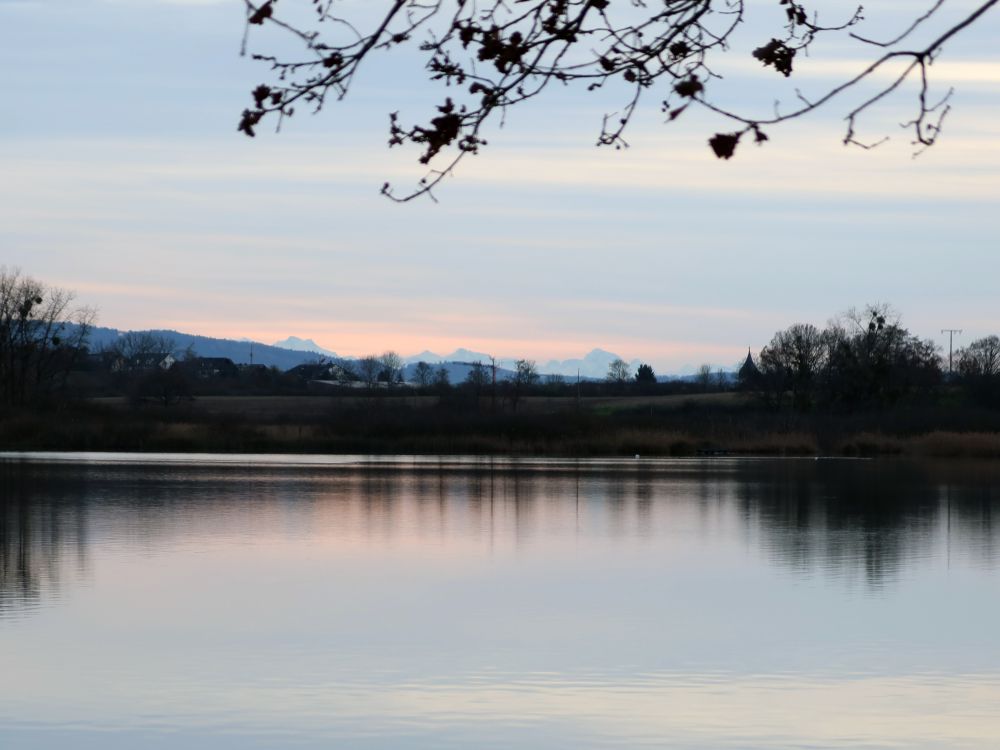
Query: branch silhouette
x,y
495,54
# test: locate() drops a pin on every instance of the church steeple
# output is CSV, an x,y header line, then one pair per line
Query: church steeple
x,y
748,373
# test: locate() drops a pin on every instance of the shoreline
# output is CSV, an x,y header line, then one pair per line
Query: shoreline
x,y
380,429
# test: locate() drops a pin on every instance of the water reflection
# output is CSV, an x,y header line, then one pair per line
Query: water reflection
x,y
837,518
460,603
874,518
43,536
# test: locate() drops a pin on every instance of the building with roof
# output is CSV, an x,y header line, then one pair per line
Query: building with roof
x,y
749,374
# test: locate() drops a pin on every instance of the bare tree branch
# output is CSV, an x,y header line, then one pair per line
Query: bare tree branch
x,y
495,54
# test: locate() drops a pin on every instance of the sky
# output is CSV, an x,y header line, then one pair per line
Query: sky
x,y
124,179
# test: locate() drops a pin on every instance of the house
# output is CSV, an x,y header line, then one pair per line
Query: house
x,y
212,368
144,362
325,371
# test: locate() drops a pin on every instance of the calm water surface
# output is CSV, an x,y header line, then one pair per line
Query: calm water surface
x,y
268,602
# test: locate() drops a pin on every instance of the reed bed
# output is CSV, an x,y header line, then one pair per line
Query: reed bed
x,y
444,431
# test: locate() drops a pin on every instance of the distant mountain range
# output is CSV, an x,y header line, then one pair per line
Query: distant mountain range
x,y
459,355
457,371
303,345
591,366
240,352
294,351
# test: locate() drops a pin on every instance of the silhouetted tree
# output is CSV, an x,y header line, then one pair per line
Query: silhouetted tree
x,y
392,366
139,351
873,360
863,359
645,375
166,386
721,380
369,368
704,378
554,384
792,361
525,376
981,358
477,379
423,373
37,347
619,372
442,382
344,372
979,369
496,54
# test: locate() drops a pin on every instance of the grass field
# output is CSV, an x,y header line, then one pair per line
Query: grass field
x,y
312,407
682,425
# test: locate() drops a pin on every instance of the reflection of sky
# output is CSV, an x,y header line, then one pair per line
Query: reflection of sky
x,y
686,605
498,710
125,179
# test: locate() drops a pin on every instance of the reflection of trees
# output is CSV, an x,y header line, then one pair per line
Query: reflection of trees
x,y
873,517
43,535
839,517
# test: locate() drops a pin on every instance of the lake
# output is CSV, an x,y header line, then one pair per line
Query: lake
x,y
310,602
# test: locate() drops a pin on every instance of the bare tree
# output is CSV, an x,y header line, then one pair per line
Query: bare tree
x,y
344,373
143,349
979,370
423,373
392,367
496,54
872,359
41,336
477,378
526,372
704,377
442,381
793,360
981,358
525,376
619,372
369,368
721,380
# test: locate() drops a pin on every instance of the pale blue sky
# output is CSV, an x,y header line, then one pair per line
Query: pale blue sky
x,y
124,178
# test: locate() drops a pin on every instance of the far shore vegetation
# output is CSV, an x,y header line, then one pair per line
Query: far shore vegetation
x,y
863,386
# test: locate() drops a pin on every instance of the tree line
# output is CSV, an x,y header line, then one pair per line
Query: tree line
x,y
862,360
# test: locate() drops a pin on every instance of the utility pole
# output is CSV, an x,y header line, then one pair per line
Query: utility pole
x,y
493,400
951,337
